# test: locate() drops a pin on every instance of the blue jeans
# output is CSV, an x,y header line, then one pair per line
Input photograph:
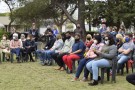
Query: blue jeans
x,y
16,51
47,54
93,66
81,65
40,54
122,58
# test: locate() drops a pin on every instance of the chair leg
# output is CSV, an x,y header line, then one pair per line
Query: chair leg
x,y
11,58
127,67
73,66
132,66
3,57
91,76
108,74
102,75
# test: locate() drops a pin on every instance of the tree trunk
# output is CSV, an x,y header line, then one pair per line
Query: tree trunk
x,y
81,17
60,28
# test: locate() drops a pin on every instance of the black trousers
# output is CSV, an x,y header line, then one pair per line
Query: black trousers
x,y
131,78
29,51
58,58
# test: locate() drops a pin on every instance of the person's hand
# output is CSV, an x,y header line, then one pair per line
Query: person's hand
x,y
60,52
86,57
71,53
97,52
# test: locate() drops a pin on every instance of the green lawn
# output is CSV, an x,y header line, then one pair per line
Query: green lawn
x,y
33,76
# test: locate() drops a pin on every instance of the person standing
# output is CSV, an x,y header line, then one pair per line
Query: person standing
x,y
78,30
34,32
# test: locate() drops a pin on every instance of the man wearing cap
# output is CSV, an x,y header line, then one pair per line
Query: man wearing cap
x,y
15,46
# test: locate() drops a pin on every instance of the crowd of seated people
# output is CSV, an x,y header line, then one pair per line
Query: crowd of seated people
x,y
17,46
95,52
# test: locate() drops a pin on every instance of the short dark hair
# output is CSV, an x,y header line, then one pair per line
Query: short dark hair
x,y
68,32
51,31
77,34
98,38
111,39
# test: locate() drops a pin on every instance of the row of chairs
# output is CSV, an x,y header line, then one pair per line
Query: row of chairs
x,y
2,59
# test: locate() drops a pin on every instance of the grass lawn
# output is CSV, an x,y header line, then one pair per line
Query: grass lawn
x,y
33,76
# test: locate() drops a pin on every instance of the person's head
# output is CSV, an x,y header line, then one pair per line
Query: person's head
x,y
29,37
68,35
77,37
97,39
55,27
78,26
15,36
50,33
109,40
128,37
22,36
88,37
119,38
48,27
33,26
4,37
58,37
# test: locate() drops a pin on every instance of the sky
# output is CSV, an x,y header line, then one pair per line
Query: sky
x,y
3,7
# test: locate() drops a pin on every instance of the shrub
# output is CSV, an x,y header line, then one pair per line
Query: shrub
x,y
2,31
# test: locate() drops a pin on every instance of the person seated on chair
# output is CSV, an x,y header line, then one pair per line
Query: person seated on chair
x,y
55,48
4,45
88,41
131,78
29,46
76,53
119,40
48,46
104,59
125,51
90,55
23,39
57,56
51,40
15,46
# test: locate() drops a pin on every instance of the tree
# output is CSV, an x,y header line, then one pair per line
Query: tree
x,y
115,11
10,5
36,11
63,4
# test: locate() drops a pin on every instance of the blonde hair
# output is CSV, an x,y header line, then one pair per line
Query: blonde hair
x,y
59,36
88,36
119,36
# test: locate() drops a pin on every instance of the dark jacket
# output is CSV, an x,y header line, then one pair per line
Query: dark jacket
x,y
30,43
34,33
50,42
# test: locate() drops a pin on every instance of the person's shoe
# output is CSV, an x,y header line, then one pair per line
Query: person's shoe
x,y
84,79
45,62
75,79
69,72
99,78
58,68
32,60
18,61
49,63
62,69
93,83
